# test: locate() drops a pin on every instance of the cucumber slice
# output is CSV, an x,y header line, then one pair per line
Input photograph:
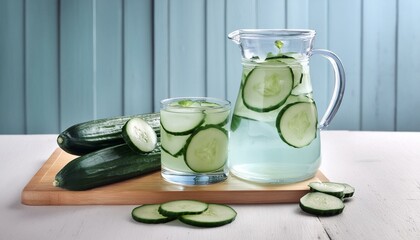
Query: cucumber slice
x,y
181,207
181,121
297,123
206,149
305,86
297,69
236,121
321,204
267,87
173,144
330,188
149,213
139,135
348,190
216,215
216,117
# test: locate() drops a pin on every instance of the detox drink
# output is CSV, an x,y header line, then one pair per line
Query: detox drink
x,y
194,140
274,127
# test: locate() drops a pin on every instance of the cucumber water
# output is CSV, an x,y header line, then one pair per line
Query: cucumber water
x,y
194,140
274,133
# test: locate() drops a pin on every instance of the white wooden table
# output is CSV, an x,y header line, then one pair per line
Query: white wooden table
x,y
383,166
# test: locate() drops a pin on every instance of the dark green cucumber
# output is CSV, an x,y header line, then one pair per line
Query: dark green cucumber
x,y
106,166
91,136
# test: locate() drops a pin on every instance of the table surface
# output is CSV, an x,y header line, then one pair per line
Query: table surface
x,y
384,167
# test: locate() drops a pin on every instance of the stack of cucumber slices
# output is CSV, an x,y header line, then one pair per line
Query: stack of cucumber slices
x,y
326,198
191,212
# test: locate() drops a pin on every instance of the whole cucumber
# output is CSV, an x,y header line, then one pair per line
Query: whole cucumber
x,y
106,166
90,136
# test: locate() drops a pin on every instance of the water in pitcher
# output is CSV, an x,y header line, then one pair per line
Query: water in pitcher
x,y
274,133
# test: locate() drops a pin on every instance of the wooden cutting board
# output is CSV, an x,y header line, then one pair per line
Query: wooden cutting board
x,y
152,188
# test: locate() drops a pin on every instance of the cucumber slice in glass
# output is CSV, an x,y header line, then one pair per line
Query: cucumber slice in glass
x,y
297,123
139,135
181,121
321,204
173,144
216,215
267,87
216,117
177,208
206,149
148,213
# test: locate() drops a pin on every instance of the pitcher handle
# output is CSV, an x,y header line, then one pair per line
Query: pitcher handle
x,y
339,86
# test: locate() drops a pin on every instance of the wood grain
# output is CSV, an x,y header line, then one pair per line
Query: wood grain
x,y
153,189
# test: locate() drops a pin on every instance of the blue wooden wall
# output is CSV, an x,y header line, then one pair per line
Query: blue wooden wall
x,y
67,61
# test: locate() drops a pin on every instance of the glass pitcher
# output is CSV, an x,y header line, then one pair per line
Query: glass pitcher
x,y
274,129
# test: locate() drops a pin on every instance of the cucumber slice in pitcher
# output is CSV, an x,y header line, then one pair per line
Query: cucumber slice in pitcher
x,y
206,149
297,123
297,69
267,87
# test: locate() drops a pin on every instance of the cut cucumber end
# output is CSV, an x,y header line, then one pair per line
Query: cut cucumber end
x,y
56,183
216,215
139,135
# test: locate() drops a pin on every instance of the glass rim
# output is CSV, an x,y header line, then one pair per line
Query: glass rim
x,y
223,103
272,32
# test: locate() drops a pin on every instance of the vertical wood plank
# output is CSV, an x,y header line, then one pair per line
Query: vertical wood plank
x,y
345,40
240,14
12,70
77,79
408,63
379,69
187,48
108,40
161,51
138,57
215,48
271,14
41,44
297,14
319,67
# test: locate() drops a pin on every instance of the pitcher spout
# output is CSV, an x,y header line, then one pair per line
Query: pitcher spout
x,y
235,36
